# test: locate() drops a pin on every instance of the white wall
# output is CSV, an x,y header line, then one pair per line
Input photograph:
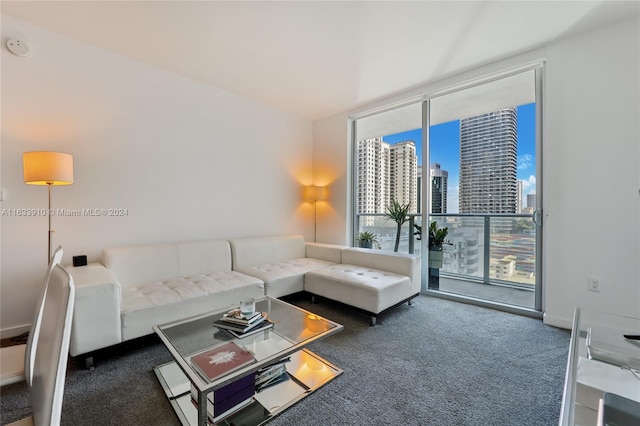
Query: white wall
x,y
591,169
188,161
592,173
331,159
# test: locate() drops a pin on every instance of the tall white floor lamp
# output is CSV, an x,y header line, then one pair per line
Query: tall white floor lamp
x,y
315,194
47,168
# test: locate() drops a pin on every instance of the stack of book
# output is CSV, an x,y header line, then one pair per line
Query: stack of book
x,y
271,375
241,326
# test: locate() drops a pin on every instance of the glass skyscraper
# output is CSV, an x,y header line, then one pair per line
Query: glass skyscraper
x,y
488,162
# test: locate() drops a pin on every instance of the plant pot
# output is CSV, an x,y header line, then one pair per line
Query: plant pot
x,y
366,244
435,258
434,278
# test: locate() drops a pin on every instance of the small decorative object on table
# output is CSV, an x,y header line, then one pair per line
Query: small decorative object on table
x,y
247,306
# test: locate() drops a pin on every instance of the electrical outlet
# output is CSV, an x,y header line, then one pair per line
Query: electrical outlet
x,y
593,284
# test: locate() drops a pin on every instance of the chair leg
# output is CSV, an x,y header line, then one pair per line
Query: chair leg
x,y
410,302
313,299
89,364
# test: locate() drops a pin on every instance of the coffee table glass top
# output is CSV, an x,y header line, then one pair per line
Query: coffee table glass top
x,y
293,329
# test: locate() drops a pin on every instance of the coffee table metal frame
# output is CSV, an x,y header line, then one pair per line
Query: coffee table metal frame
x,y
294,329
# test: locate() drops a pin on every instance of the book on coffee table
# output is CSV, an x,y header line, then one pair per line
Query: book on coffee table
x,y
238,328
263,325
235,316
221,360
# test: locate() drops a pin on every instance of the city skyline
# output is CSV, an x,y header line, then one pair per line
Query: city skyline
x,y
445,150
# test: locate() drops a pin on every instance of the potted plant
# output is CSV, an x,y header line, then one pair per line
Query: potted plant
x,y
437,238
368,239
399,213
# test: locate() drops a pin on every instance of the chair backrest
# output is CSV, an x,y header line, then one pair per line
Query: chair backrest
x,y
52,348
30,350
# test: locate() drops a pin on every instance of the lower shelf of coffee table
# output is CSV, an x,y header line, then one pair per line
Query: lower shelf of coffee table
x,y
307,372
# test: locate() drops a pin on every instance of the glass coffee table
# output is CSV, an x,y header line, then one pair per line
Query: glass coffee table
x,y
294,328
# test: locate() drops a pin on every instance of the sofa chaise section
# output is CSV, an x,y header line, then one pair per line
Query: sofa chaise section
x,y
370,280
281,262
138,287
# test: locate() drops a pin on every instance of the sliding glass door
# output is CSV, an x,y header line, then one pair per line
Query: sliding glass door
x,y
484,144
468,159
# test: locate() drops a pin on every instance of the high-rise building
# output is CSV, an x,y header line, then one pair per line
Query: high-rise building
x,y
519,197
404,174
439,181
385,172
419,190
531,201
373,176
488,150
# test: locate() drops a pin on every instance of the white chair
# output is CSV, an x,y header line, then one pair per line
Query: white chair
x,y
46,376
17,360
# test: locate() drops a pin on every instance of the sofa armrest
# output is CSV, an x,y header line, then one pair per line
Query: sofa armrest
x,y
96,313
328,252
399,263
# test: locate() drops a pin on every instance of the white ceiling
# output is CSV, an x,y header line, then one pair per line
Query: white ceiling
x,y
318,58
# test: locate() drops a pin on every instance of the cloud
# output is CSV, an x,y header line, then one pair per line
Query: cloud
x,y
529,185
525,161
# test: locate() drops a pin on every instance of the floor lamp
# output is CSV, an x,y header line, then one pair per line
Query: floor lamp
x,y
47,168
315,194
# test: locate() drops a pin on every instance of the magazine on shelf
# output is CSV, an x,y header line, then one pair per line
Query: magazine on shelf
x,y
221,360
271,375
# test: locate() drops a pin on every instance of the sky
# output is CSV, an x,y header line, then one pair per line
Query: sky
x,y
445,149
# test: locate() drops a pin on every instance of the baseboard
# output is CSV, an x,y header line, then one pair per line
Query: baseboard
x,y
7,333
566,323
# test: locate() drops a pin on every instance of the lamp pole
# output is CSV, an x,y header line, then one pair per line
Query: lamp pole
x,y
315,202
49,185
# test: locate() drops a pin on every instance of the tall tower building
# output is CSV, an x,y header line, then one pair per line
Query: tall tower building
x,y
404,174
419,190
439,181
531,201
488,150
519,197
373,189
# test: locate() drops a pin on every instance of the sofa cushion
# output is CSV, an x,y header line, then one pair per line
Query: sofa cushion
x,y
141,264
162,301
399,263
366,288
264,250
203,257
285,277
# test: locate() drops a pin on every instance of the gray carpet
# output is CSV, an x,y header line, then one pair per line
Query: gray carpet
x,y
436,362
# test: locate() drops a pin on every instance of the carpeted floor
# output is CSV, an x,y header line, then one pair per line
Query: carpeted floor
x,y
435,362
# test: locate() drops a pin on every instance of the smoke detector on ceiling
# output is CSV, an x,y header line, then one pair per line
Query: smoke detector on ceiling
x,y
18,48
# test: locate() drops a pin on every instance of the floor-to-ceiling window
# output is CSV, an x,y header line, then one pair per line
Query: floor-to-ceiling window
x,y
469,158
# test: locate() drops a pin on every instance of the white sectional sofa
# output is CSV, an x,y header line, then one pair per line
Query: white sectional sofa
x,y
134,288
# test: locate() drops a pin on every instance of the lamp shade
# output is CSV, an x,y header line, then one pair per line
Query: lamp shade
x,y
315,193
47,168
